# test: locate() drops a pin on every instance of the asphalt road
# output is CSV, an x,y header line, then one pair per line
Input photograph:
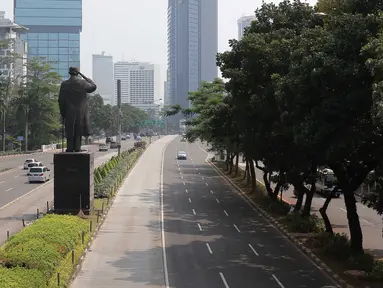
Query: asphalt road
x,y
214,238
370,221
14,184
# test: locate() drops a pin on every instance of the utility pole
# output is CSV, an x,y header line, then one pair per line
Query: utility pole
x,y
119,115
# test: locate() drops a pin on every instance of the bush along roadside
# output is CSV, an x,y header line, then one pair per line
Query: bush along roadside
x,y
109,176
333,249
46,253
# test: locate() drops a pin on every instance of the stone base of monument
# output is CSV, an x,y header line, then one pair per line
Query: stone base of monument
x,y
73,183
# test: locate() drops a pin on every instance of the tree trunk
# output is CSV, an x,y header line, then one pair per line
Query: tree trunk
x,y
267,185
356,234
309,200
26,131
236,164
227,161
298,204
231,163
323,210
246,171
253,176
248,175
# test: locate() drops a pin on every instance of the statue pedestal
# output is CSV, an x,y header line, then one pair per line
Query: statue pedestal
x,y
73,182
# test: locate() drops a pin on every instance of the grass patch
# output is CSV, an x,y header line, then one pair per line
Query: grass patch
x,y
334,250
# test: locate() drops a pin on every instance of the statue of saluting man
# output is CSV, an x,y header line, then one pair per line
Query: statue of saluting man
x,y
73,105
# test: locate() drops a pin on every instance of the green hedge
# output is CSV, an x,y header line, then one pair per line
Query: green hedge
x,y
31,258
110,175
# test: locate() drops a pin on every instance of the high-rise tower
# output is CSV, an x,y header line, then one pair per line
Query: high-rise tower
x,y
192,46
54,30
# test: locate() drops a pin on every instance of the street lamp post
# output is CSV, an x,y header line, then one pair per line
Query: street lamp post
x,y
119,115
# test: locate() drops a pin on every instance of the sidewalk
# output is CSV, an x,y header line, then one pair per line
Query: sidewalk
x,y
127,250
370,221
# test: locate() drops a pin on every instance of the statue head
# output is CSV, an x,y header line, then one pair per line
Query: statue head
x,y
73,71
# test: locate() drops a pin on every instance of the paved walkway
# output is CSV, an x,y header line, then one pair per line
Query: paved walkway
x,y
127,251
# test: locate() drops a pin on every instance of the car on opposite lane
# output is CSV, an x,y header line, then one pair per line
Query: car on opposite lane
x,y
181,155
28,161
103,147
39,174
35,164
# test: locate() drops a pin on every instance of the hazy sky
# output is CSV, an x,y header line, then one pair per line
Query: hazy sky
x,y
136,29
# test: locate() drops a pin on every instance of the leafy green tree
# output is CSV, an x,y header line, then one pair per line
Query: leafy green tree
x,y
36,104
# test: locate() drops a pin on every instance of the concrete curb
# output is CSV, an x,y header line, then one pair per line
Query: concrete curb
x,y
29,154
94,234
321,265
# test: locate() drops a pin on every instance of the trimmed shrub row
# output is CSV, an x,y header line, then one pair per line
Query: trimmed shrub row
x,y
108,177
31,258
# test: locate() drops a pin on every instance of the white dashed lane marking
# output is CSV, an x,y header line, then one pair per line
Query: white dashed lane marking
x,y
208,248
236,228
252,249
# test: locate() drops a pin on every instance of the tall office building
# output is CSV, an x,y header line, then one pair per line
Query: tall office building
x,y
192,46
103,71
140,84
166,93
54,30
244,22
11,32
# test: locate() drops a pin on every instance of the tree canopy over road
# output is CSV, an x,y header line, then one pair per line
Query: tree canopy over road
x,y
303,92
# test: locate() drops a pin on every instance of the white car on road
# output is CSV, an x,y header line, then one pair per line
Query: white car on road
x,y
39,174
29,161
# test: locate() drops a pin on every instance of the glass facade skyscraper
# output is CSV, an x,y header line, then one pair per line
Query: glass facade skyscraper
x,y
54,30
192,47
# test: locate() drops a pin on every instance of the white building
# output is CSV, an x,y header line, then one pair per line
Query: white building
x,y
103,77
140,84
12,67
244,22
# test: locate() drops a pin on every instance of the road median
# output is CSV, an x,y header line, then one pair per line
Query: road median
x,y
51,248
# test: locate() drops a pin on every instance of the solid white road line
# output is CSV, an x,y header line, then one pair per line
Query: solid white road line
x,y
199,227
194,212
165,263
277,280
236,228
252,249
9,189
217,200
225,213
208,248
365,221
224,280
189,200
